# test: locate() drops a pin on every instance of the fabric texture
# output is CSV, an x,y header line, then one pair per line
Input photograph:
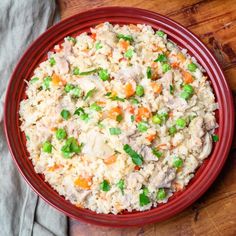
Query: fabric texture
x,y
22,212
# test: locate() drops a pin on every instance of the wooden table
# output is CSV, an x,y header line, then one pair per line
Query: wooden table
x,y
215,24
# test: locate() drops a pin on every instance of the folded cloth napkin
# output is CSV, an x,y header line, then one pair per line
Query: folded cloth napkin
x,y
21,211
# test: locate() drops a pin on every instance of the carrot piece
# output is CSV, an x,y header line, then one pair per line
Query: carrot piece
x,y
93,36
129,90
188,78
54,167
175,65
131,109
101,103
110,160
114,112
177,186
151,137
56,79
181,57
137,167
79,205
170,114
53,129
157,88
124,44
83,183
143,112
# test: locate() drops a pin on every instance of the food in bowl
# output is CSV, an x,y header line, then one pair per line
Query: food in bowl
x,y
119,118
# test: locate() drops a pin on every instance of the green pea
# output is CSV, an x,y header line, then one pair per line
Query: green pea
x,y
76,92
119,118
105,186
161,194
160,33
47,147
68,88
103,75
188,88
129,53
181,123
185,95
52,61
142,126
65,114
165,67
46,82
98,45
178,162
121,185
61,134
192,67
172,130
140,90
115,131
156,119
215,138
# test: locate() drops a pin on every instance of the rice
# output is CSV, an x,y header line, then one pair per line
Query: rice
x,y
119,118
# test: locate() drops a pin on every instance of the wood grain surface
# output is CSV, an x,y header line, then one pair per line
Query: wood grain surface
x,y
215,24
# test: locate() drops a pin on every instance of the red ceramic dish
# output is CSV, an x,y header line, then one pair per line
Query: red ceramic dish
x,y
74,25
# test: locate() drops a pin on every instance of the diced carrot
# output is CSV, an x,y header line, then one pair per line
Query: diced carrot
x,y
79,205
175,65
129,90
124,44
110,160
134,27
56,79
143,112
101,103
170,114
114,112
58,48
188,78
157,88
154,65
156,48
93,36
55,167
137,167
151,137
83,183
53,129
181,57
130,109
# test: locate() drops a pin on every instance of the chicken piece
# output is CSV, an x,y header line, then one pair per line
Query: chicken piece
x,y
207,146
107,37
177,103
210,121
67,47
147,154
134,180
97,146
162,177
166,80
196,131
129,73
62,65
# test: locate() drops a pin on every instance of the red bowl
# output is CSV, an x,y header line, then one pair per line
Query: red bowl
x,y
77,24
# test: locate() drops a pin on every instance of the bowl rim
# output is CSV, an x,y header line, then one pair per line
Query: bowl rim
x,y
152,215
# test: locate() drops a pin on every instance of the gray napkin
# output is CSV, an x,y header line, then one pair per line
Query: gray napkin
x,y
21,211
